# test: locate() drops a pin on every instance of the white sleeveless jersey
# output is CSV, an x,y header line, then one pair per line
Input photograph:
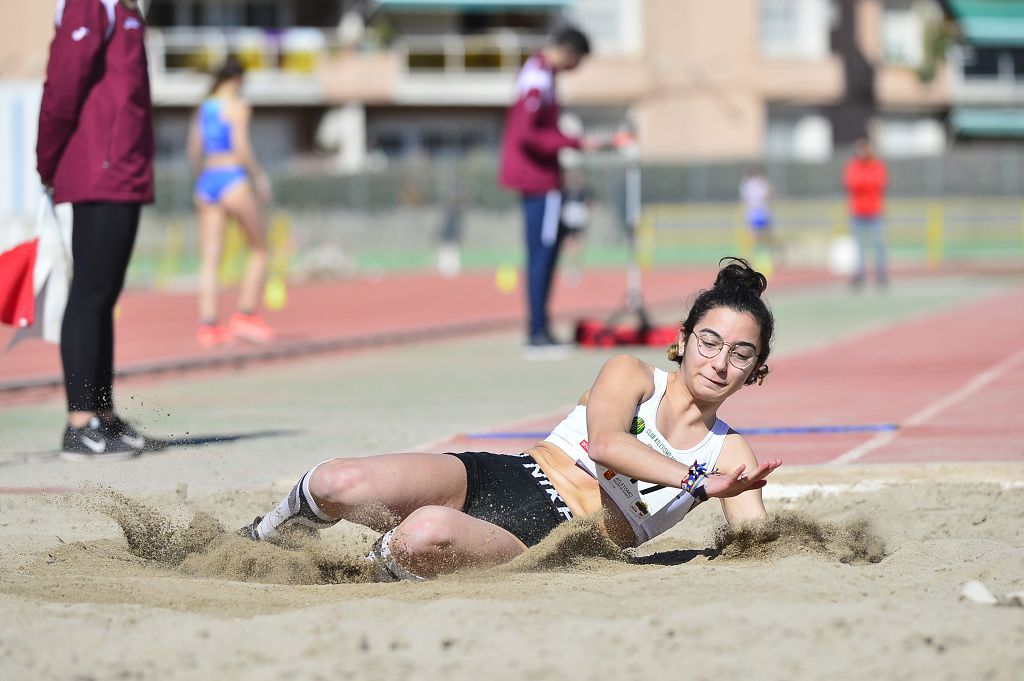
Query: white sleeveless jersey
x,y
650,509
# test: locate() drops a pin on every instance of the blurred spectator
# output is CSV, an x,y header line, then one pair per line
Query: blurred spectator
x,y
95,150
228,174
757,196
865,180
529,165
449,252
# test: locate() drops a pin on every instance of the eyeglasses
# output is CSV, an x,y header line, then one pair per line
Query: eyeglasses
x,y
740,356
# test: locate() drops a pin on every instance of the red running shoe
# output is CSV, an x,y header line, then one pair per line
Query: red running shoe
x,y
250,327
213,335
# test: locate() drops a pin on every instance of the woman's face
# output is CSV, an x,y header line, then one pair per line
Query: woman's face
x,y
733,338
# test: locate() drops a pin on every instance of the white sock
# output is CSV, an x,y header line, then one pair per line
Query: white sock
x,y
382,555
298,508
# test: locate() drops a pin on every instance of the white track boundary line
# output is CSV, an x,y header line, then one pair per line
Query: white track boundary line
x,y
922,416
874,327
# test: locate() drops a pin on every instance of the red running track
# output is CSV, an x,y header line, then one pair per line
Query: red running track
x,y
156,331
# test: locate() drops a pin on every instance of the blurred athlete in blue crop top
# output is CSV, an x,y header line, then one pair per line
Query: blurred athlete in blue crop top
x,y
643,448
222,158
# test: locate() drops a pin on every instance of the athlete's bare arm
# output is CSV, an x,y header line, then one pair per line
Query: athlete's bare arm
x,y
742,475
625,382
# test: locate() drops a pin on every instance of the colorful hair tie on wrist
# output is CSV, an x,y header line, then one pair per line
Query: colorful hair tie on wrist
x,y
694,483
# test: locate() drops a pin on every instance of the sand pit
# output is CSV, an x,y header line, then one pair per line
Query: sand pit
x,y
840,583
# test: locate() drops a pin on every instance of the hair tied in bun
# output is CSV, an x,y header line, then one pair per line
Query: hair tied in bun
x,y
737,275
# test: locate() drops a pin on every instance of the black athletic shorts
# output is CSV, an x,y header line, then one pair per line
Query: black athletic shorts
x,y
512,492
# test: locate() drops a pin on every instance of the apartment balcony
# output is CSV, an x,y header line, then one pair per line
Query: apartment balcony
x,y
477,70
799,80
898,87
306,66
996,78
283,67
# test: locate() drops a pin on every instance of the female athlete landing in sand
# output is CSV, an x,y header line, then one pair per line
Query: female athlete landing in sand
x,y
644,446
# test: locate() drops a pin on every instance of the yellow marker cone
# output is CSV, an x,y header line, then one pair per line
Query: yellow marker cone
x,y
506,279
275,295
763,263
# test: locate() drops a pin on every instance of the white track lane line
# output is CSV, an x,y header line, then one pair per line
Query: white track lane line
x,y
922,416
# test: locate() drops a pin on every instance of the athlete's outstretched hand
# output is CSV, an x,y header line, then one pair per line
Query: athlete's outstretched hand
x,y
725,485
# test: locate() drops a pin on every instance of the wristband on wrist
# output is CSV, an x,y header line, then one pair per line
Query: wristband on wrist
x,y
694,482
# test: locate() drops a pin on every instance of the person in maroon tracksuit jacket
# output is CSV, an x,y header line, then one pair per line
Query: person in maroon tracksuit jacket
x,y
95,150
529,165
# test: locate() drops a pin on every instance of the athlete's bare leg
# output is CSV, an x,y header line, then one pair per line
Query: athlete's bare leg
x,y
419,496
435,540
381,491
240,202
212,219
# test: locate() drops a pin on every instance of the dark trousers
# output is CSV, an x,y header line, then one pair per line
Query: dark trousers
x,y
541,212
102,238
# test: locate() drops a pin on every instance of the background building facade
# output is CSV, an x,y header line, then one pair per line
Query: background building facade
x,y
347,83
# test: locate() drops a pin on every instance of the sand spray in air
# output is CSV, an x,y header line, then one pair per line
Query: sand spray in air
x,y
789,532
150,534
571,545
203,548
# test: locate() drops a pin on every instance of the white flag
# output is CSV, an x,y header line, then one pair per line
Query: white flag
x,y
52,275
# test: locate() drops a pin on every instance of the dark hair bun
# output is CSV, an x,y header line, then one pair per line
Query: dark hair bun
x,y
231,68
737,275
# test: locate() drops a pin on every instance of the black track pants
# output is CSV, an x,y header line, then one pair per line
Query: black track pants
x,y
102,238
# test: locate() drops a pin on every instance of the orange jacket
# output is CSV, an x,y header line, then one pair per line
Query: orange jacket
x,y
865,183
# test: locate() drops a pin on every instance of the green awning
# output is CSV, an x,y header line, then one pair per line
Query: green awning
x,y
990,22
475,5
988,122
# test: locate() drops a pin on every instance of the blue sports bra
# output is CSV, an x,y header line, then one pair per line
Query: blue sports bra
x,y
215,131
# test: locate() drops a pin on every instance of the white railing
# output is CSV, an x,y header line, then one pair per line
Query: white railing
x,y
1005,87
300,51
460,55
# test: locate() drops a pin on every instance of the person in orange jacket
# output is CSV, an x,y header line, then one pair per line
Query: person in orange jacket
x,y
865,179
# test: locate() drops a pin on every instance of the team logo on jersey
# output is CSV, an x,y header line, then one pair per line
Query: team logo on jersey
x,y
609,474
638,426
620,485
132,23
640,509
79,33
585,445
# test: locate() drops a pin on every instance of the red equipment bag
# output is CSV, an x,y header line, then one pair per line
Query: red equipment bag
x,y
597,333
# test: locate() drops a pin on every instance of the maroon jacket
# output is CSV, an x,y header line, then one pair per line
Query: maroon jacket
x,y
95,127
529,150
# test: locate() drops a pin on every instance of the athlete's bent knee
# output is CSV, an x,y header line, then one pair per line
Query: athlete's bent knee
x,y
427,531
340,482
